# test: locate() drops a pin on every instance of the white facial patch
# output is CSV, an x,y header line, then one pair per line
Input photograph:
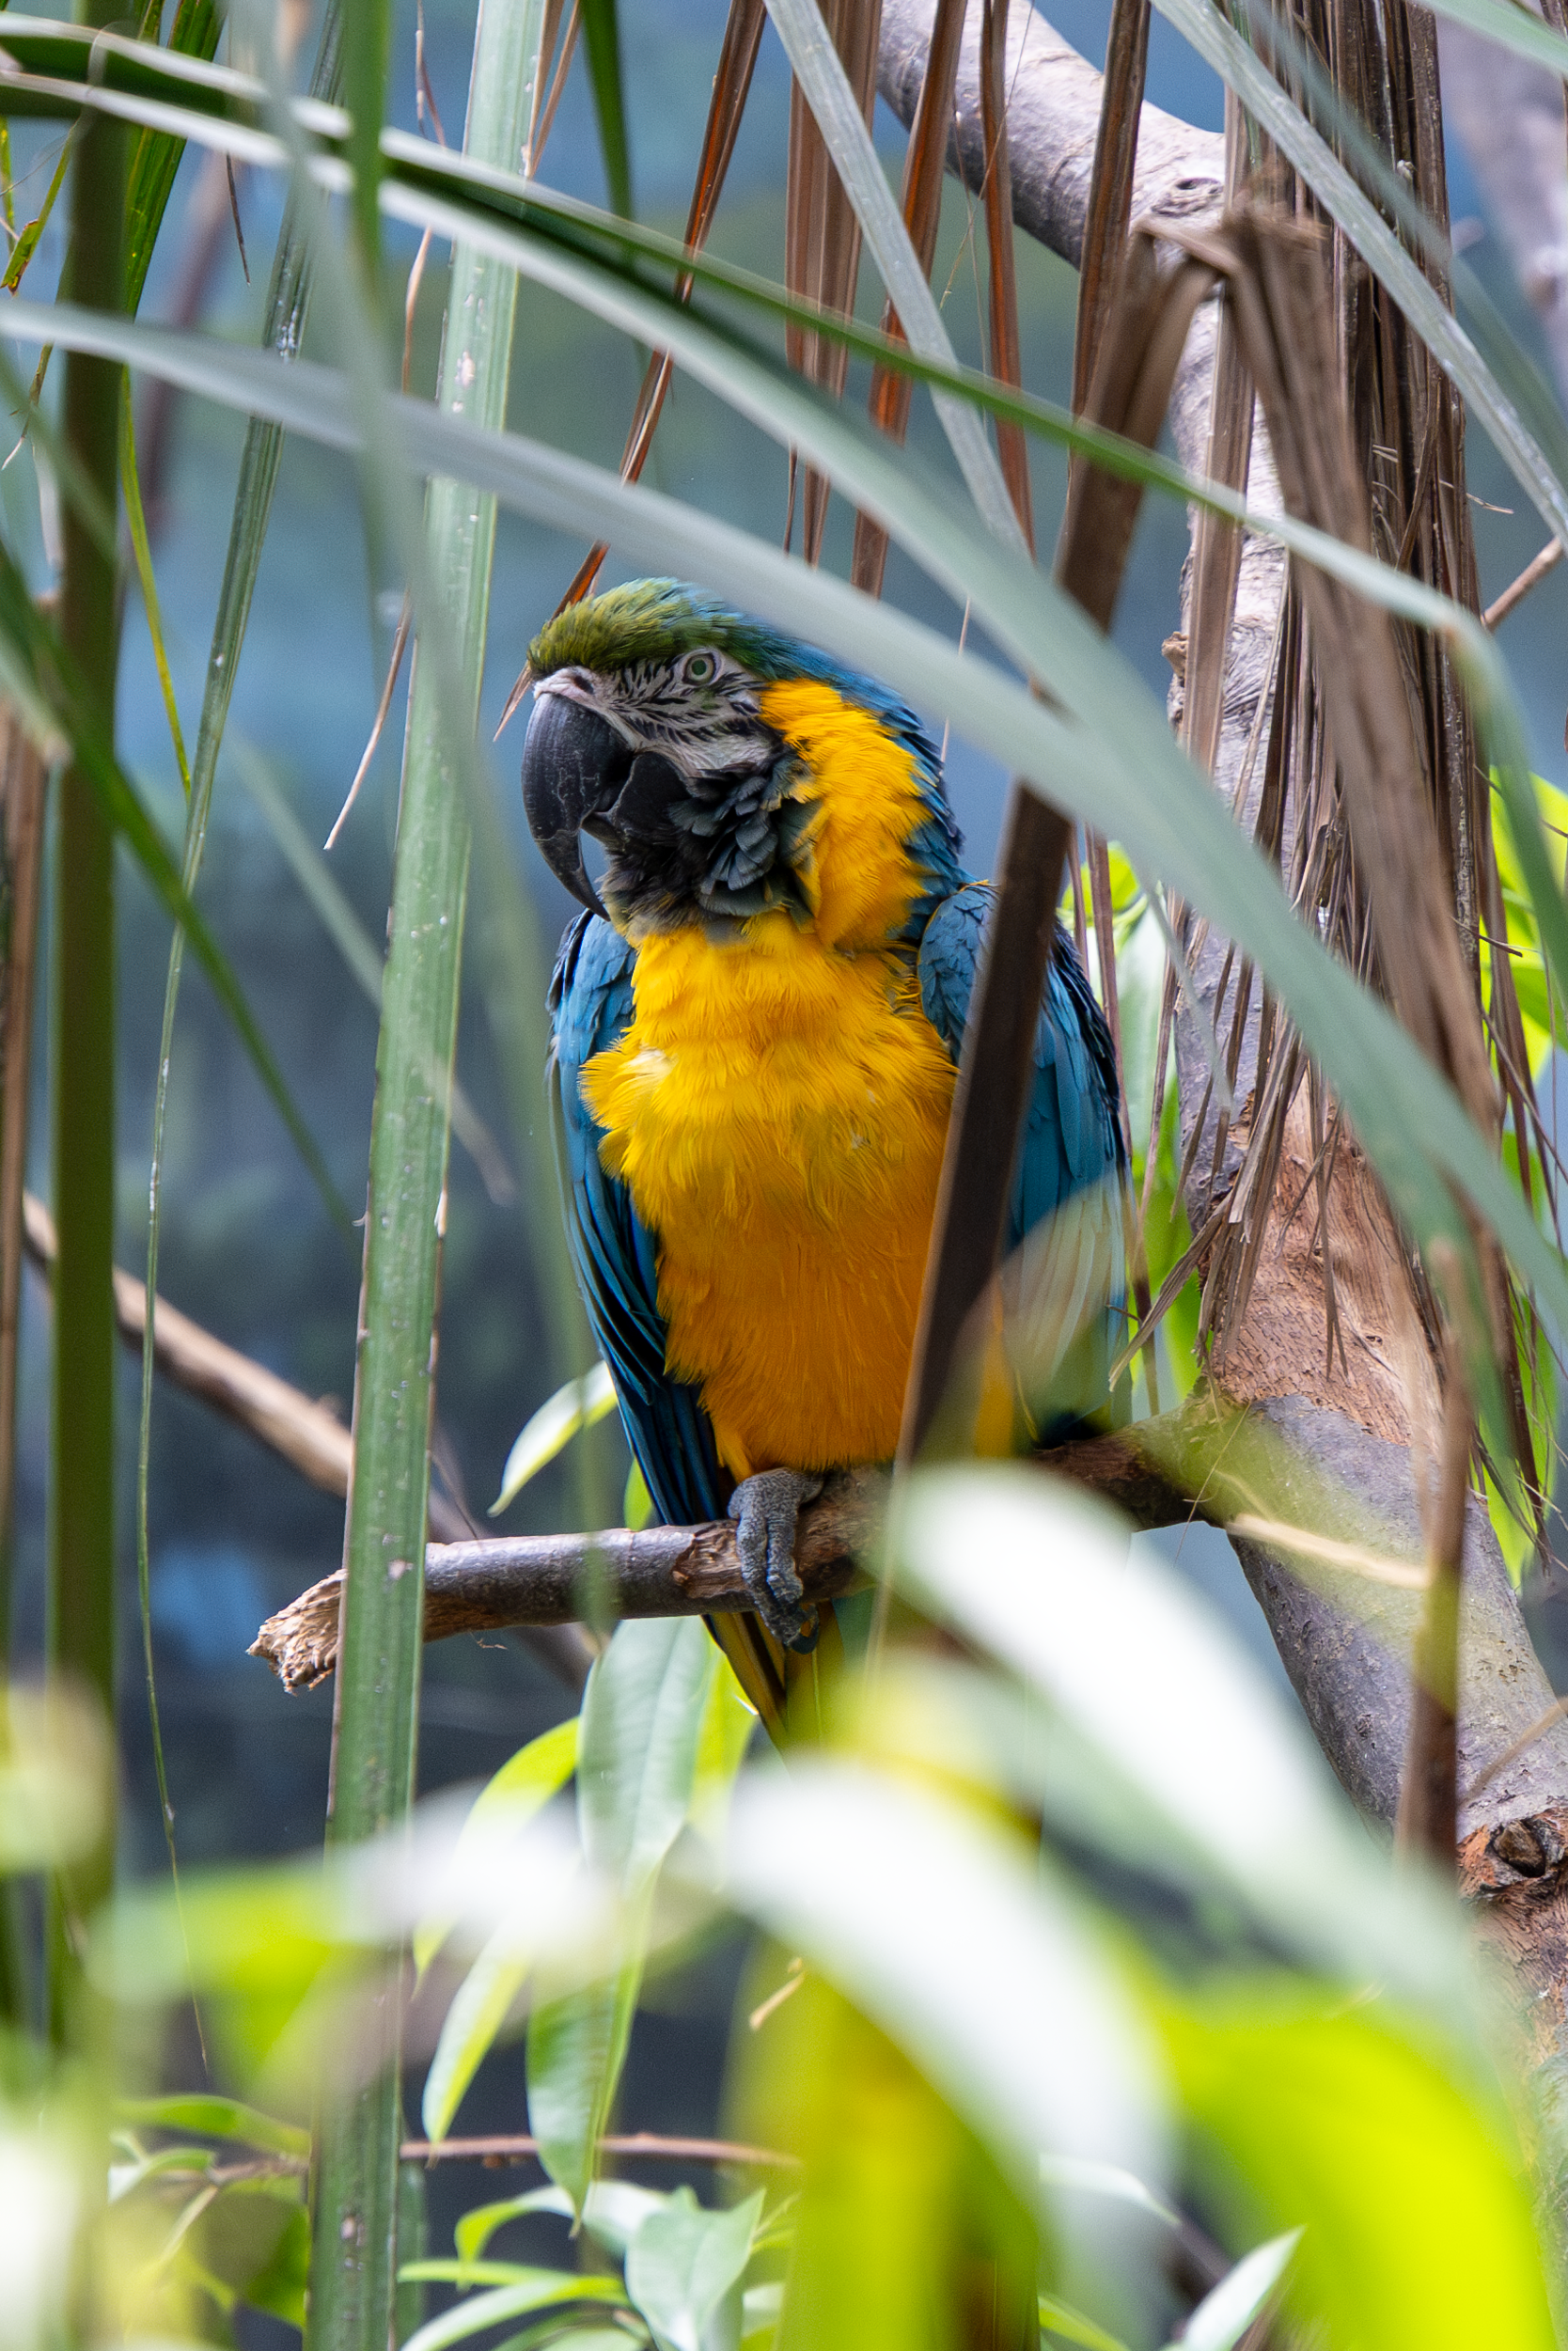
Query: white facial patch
x,y
699,713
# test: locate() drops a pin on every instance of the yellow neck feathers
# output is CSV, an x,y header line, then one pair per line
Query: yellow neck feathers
x,y
778,1109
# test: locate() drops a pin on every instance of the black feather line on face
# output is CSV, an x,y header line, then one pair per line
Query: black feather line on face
x,y
710,849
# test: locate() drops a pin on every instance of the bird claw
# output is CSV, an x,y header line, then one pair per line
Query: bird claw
x,y
765,1509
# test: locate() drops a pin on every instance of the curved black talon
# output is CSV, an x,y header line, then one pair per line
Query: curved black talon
x,y
765,1509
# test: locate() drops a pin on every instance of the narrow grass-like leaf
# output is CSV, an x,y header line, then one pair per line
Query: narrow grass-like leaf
x,y
367,53
79,1603
601,34
155,155
130,490
375,1730
213,93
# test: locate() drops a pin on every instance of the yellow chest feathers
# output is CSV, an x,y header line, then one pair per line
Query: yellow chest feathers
x,y
778,1110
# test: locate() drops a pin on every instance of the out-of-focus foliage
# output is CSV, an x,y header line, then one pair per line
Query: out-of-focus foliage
x,y
1051,1960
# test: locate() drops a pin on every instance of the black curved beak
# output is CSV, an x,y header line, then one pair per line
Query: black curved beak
x,y
573,767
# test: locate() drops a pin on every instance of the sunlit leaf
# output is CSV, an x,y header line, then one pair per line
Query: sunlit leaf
x,y
1059,2318
579,1404
524,1783
540,2291
1412,2203
897,1895
1043,1577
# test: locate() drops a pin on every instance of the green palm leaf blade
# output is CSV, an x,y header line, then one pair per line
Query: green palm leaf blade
x,y
379,1663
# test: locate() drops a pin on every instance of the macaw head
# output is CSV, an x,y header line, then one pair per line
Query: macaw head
x,y
649,732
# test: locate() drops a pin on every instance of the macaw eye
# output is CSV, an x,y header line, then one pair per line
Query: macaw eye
x,y
700,668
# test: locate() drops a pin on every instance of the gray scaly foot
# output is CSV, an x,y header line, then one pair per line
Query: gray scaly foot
x,y
765,1509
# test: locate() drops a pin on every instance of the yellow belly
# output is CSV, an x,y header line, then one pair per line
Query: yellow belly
x,y
783,1143
778,1110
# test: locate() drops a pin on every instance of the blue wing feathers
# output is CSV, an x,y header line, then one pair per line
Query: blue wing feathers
x,y
591,1004
1071,1137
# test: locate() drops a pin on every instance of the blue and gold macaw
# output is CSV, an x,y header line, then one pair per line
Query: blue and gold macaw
x,y
756,1040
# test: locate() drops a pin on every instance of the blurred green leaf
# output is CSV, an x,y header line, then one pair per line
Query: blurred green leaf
x,y
899,2211
525,1783
439,2271
637,1503
215,2117
1401,2176
1057,2317
256,2243
1227,2311
479,2010
1213,1754
728,1727
55,1782
578,2044
539,2291
579,1404
613,2211
898,1893
684,2263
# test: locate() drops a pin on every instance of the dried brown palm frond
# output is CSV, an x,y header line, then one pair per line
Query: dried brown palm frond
x,y
1101,274
822,234
925,164
1110,187
1006,364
